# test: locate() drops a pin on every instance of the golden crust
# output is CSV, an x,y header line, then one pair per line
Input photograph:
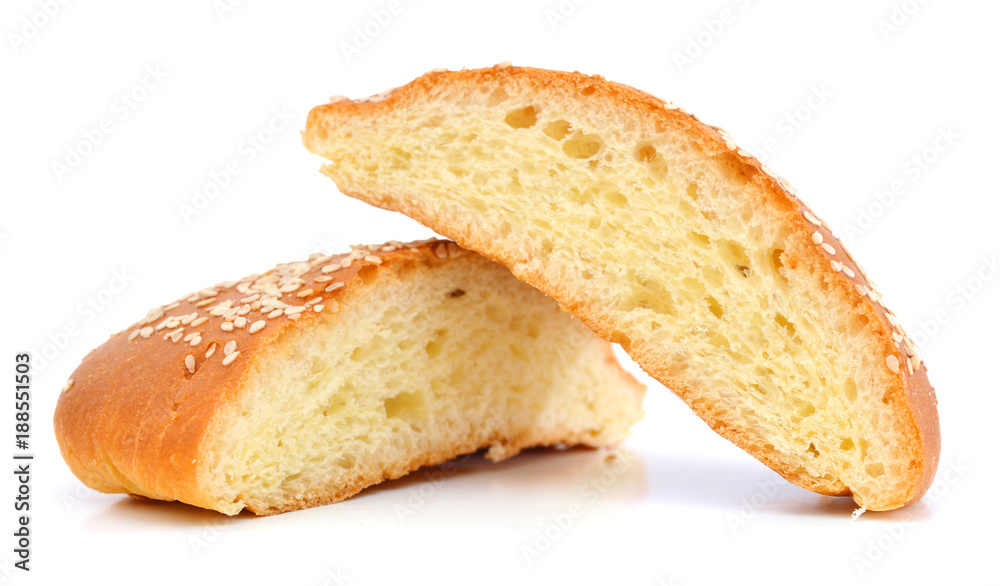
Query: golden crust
x,y
912,395
134,418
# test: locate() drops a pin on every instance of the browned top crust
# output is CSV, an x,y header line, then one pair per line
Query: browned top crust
x,y
914,396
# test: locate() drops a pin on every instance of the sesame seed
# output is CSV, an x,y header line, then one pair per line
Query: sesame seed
x,y
146,332
204,302
373,259
304,293
897,337
829,249
504,64
243,310
909,367
812,219
189,336
229,348
836,265
195,340
313,301
817,238
893,363
441,250
318,307
255,305
323,279
211,350
257,326
208,292
873,295
199,321
250,298
330,268
188,318
189,363
133,335
289,287
848,271
227,326
173,305
275,313
861,289
346,263
153,315
294,310
175,335
68,385
915,361
295,316
240,322
334,286
229,358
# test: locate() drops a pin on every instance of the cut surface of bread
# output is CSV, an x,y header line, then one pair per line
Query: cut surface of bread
x,y
662,236
306,384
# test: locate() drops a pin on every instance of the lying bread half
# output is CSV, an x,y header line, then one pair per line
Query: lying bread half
x,y
662,236
304,385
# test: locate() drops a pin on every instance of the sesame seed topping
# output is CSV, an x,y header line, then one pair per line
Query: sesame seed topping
x,y
897,337
173,305
243,310
817,238
275,313
175,335
208,292
836,265
68,385
195,340
294,316
294,310
374,259
188,318
334,286
330,268
199,321
227,326
893,363
812,219
133,335
289,287
257,326
313,301
229,358
189,336
250,298
229,348
346,263
504,64
861,289
318,307
204,302
304,293
189,363
441,250
153,315
829,249
146,332
848,271
915,362
240,322
211,350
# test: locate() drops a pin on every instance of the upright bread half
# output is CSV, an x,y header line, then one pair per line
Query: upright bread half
x,y
663,236
304,385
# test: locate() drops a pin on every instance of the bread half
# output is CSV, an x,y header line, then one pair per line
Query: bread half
x,y
662,236
304,385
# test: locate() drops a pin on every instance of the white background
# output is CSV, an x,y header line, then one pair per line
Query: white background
x,y
689,508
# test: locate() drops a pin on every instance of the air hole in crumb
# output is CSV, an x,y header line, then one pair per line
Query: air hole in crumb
x,y
621,339
875,470
522,117
693,191
847,444
714,306
457,293
783,322
812,450
700,239
436,344
557,129
645,152
777,265
403,406
582,146
851,389
616,198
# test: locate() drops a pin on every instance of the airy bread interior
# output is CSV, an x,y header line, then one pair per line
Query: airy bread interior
x,y
417,366
661,247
